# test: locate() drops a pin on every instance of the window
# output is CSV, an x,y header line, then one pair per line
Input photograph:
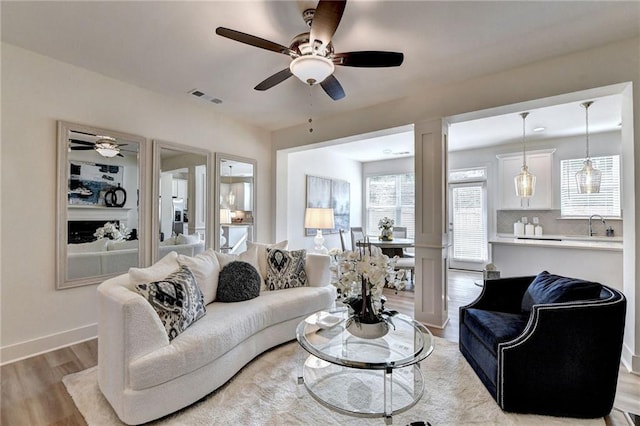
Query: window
x,y
604,203
392,196
469,222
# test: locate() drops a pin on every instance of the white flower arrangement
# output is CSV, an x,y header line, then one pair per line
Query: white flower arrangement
x,y
349,268
112,231
385,223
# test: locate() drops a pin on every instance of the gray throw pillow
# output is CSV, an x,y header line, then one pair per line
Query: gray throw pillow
x,y
238,281
177,299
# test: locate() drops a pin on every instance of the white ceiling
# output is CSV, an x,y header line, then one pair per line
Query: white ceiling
x,y
172,48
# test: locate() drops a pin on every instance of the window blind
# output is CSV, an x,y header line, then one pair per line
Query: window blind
x,y
469,226
391,196
605,203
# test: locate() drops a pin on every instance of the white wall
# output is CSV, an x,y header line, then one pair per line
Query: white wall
x,y
36,92
323,164
607,65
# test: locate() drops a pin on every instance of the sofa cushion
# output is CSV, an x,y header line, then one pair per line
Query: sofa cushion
x,y
97,245
550,288
157,271
493,327
205,268
238,281
262,254
187,239
285,269
122,245
177,300
225,326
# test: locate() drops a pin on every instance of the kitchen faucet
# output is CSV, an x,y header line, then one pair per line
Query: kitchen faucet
x,y
590,226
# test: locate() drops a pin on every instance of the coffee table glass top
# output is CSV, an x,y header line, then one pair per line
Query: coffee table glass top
x,y
324,335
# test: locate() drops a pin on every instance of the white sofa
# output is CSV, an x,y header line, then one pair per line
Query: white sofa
x,y
144,376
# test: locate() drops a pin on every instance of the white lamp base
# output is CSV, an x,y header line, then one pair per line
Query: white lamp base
x,y
319,241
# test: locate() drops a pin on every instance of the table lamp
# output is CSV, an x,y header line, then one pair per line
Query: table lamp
x,y
320,219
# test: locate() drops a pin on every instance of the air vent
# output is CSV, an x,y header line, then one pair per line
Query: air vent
x,y
200,94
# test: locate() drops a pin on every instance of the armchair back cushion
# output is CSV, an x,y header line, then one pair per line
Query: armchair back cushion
x,y
549,288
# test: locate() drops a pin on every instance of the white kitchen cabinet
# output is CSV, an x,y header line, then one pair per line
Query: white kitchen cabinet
x,y
180,188
540,164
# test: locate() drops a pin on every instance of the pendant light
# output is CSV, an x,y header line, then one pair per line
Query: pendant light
x,y
525,181
231,197
588,179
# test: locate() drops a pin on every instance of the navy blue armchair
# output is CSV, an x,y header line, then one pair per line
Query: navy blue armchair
x,y
546,344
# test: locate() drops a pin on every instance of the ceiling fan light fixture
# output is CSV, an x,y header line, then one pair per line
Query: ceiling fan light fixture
x,y
107,147
312,69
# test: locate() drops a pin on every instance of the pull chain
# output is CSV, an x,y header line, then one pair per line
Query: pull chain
x,y
310,109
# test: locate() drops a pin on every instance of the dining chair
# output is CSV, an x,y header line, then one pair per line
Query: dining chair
x,y
342,239
357,234
401,232
407,264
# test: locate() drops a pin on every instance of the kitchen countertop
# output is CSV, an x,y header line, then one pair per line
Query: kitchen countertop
x,y
560,241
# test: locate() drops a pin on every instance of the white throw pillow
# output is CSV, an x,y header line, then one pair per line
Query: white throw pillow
x,y
205,268
188,239
168,242
122,245
249,256
98,245
155,272
262,254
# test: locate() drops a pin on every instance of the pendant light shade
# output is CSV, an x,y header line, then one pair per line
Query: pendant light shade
x,y
525,182
588,179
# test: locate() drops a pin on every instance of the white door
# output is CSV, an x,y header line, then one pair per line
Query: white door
x,y
468,225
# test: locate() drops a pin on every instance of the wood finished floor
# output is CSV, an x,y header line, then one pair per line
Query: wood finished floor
x,y
33,393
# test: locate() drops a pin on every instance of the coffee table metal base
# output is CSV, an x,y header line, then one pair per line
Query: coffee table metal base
x,y
363,392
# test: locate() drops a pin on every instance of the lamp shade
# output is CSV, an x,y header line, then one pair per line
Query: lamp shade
x,y
525,183
318,218
312,69
588,179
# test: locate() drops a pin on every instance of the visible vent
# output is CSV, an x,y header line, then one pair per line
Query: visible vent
x,y
199,94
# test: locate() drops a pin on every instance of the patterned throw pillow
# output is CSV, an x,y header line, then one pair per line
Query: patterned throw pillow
x,y
285,269
177,299
238,281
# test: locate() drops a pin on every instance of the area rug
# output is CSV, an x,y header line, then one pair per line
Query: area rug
x,y
265,392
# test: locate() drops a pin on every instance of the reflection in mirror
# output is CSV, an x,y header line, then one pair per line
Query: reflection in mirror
x,y
236,183
181,222
99,213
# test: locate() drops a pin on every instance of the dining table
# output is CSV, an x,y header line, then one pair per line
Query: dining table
x,y
391,248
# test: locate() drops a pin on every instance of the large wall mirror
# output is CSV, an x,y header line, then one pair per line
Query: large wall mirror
x,y
101,217
236,197
181,218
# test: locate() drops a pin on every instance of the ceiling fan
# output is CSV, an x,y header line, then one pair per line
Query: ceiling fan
x,y
106,146
312,53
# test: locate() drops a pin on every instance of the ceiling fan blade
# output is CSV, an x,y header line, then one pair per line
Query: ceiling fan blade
x,y
326,19
368,59
252,40
332,87
276,78
81,142
81,148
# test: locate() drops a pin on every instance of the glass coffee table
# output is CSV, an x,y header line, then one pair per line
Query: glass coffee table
x,y
363,377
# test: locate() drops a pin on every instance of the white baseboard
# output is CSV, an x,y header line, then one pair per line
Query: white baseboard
x,y
29,348
630,360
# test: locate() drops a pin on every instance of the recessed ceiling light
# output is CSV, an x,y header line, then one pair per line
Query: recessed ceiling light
x,y
387,151
539,129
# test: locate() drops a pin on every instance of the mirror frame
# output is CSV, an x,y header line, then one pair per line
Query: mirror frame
x,y
220,156
157,146
62,211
